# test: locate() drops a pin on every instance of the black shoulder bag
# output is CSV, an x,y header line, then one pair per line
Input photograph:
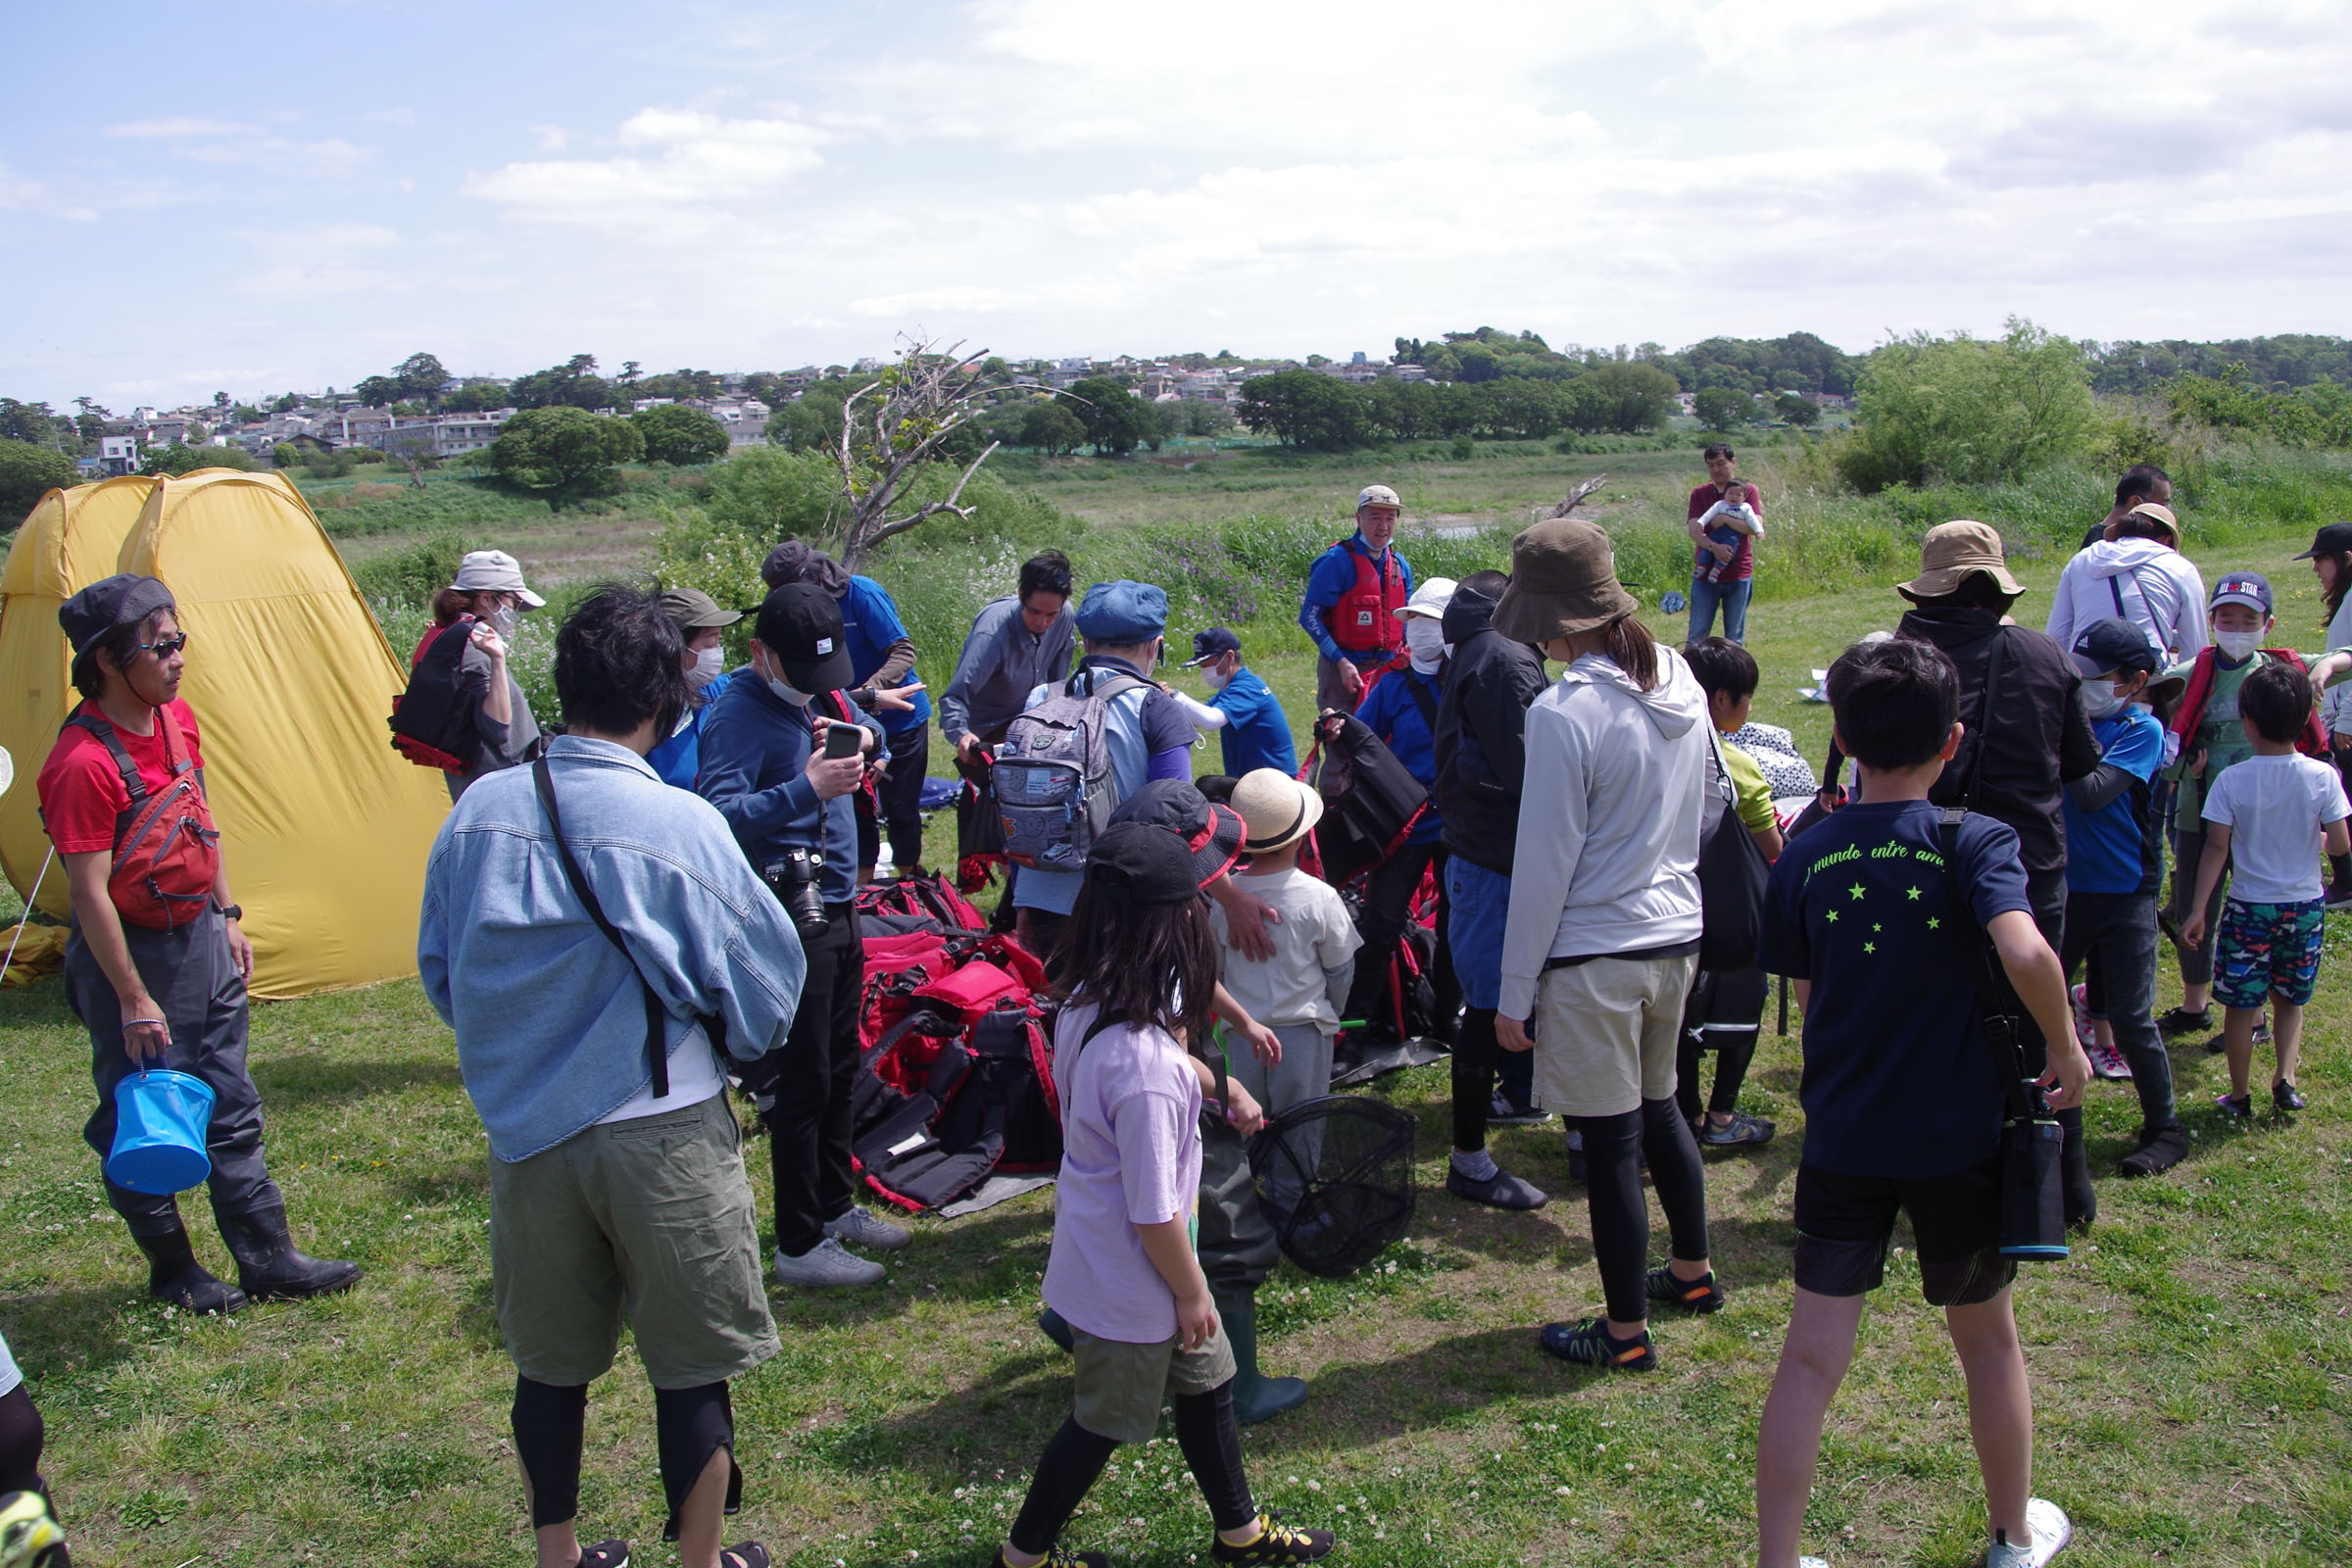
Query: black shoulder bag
x,y
656,1016
1732,874
2032,1196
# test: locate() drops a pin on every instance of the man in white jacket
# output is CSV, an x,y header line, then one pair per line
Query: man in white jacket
x,y
1604,921
2140,576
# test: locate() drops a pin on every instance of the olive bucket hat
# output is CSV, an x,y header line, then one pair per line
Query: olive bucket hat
x,y
1563,581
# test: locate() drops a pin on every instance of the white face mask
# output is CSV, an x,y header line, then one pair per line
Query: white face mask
x,y
2238,646
791,694
505,619
1212,679
1424,640
708,662
2099,700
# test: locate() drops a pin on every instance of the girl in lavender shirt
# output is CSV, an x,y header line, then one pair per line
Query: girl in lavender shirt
x,y
1138,968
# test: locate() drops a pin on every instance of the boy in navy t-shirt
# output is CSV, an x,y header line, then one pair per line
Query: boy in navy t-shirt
x,y
2114,862
1903,1095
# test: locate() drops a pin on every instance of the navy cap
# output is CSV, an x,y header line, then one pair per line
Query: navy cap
x,y
1214,643
2115,644
1213,832
2248,588
2333,539
1122,614
125,599
800,626
1143,861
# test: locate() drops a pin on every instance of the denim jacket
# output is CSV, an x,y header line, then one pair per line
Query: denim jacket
x,y
755,769
550,1017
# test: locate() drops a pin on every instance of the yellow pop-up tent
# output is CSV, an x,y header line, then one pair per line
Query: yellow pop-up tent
x,y
324,828
71,539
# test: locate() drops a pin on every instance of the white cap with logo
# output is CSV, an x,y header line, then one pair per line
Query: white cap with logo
x,y
484,571
1377,495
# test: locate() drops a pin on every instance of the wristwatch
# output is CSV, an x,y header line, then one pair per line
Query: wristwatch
x,y
232,911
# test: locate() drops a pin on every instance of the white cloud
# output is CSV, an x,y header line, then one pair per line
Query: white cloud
x,y
325,261
686,159
230,143
18,194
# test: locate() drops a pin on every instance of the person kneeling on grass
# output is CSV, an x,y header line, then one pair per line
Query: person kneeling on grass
x,y
1137,965
2266,821
1903,1093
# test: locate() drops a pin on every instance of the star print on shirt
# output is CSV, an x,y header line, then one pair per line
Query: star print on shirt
x,y
1855,890
1910,893
1833,915
1875,926
1935,924
1870,947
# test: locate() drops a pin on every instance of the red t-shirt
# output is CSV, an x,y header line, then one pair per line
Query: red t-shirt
x,y
1743,563
81,790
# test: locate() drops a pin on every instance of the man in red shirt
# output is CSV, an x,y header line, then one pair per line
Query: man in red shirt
x,y
156,964
1727,519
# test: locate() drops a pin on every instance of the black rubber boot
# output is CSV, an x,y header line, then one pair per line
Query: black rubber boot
x,y
2160,1148
2082,1198
1255,1398
268,1265
1053,1326
173,1275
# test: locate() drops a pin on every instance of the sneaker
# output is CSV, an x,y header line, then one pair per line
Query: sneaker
x,y
2181,1021
1742,1131
2158,1152
2262,1030
1590,1343
2237,1107
745,1554
1059,1555
2286,1096
1504,1112
30,1538
2079,999
826,1264
605,1554
862,1227
2051,1532
1503,1190
2340,897
1276,1542
1668,1289
2106,1061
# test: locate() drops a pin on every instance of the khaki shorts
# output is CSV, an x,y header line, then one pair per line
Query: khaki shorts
x,y
1605,1033
646,1220
1121,1384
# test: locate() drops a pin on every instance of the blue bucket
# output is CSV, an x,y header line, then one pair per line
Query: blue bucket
x,y
159,1122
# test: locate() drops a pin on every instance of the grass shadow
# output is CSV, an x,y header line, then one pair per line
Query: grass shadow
x,y
318,1080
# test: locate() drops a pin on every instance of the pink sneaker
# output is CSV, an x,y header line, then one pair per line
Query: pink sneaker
x,y
2106,1061
2079,997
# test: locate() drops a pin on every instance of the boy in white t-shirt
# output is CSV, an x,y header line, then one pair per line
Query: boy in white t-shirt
x,y
1297,993
2268,819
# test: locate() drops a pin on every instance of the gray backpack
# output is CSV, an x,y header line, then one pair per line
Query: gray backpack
x,y
1056,788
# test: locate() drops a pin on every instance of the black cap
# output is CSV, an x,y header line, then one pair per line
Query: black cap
x,y
2333,539
1143,861
1212,833
1214,643
800,626
119,601
2115,644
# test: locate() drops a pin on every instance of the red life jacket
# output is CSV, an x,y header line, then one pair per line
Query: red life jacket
x,y
2189,716
167,850
1364,620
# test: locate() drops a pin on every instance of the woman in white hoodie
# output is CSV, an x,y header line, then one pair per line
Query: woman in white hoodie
x,y
1604,920
2140,576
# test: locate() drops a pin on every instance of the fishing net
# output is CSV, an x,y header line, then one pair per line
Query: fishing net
x,y
1336,1176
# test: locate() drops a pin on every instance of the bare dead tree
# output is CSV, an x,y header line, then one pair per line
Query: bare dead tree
x,y
889,430
1577,497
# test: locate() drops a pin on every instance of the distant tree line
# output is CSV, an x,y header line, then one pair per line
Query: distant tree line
x,y
1800,363
1316,411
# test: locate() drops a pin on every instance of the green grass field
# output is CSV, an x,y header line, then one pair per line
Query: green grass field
x,y
2192,1362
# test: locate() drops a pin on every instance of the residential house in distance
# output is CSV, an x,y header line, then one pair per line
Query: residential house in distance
x,y
119,454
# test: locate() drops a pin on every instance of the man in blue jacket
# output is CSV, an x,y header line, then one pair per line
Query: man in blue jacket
x,y
1256,733
586,1035
1353,596
765,767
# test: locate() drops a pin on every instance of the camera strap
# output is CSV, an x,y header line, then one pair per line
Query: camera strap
x,y
1993,992
656,1016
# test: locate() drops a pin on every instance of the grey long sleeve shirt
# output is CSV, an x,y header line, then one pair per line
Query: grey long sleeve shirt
x,y
1001,664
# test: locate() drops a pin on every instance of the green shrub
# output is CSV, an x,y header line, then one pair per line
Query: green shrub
x,y
29,473
1958,410
564,452
674,434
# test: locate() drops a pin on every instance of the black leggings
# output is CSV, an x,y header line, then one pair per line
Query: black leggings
x,y
1733,1053
21,1435
1074,1458
690,1425
1613,1150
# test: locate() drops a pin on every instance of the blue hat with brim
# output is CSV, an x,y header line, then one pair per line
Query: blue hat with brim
x,y
1122,613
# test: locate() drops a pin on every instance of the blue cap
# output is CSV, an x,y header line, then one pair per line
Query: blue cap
x,y
2248,588
2115,644
1122,613
1214,643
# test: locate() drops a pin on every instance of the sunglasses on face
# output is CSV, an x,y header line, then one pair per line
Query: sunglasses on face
x,y
166,647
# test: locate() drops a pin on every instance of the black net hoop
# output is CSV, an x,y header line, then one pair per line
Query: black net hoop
x,y
1336,1177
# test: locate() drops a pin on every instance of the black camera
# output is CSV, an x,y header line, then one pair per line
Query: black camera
x,y
793,881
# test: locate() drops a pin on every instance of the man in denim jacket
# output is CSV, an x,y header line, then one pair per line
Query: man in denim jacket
x,y
608,1195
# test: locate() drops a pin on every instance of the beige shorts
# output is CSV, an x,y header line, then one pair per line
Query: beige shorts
x,y
1121,1383
1605,1033
648,1221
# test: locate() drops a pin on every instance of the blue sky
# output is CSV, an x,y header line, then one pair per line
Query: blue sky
x,y
248,199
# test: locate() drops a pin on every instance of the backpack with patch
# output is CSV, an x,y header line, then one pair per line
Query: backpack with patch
x,y
1056,787
166,854
433,722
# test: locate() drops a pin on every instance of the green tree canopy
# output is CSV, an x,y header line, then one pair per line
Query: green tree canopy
x,y
566,451
177,460
1052,428
1302,409
1623,396
573,384
1721,407
27,472
30,421
675,433
1114,420
1969,411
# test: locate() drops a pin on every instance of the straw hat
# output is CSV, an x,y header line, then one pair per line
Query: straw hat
x,y
1953,550
1563,581
1276,808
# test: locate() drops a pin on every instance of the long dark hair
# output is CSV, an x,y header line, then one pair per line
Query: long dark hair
x,y
1632,649
1138,961
2338,588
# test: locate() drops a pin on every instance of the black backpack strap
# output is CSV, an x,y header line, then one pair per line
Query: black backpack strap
x,y
1984,708
1419,692
132,784
1984,971
656,1015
